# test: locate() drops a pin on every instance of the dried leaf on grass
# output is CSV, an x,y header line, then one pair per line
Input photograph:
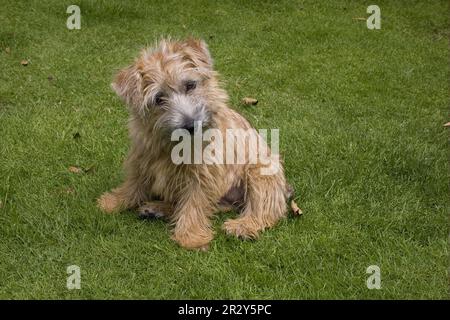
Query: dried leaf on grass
x,y
249,101
75,169
78,170
69,190
295,209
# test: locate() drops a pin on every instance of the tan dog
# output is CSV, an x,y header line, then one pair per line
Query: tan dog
x,y
169,87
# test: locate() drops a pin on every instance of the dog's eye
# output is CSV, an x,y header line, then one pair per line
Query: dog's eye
x,y
190,85
159,98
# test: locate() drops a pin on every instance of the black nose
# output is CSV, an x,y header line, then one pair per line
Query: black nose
x,y
190,128
189,125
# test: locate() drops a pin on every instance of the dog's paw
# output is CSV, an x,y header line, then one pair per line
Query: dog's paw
x,y
193,243
147,211
241,228
108,203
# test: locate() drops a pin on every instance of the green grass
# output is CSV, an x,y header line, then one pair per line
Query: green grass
x,y
360,114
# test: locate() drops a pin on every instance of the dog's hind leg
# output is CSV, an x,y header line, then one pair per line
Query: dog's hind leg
x,y
132,192
127,196
265,204
155,210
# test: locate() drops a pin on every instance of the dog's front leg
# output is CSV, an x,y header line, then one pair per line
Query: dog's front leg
x,y
192,220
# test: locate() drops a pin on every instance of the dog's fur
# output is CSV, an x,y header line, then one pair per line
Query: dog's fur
x,y
159,92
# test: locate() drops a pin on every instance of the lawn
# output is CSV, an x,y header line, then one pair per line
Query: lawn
x,y
360,114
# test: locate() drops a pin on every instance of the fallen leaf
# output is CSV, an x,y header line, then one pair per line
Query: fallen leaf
x,y
69,191
75,169
295,209
7,50
249,101
50,78
24,62
447,124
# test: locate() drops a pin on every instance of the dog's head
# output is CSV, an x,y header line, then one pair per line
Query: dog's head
x,y
173,85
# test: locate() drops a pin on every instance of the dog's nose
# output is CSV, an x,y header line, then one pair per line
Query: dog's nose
x,y
192,125
190,128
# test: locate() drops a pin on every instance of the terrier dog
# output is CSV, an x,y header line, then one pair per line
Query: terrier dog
x,y
173,86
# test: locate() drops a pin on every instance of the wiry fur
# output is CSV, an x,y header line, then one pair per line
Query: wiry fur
x,y
187,194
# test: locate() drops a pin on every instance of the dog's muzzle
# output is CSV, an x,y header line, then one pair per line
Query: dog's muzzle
x,y
188,113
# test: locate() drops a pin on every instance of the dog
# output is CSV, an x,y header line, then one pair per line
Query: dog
x,y
173,86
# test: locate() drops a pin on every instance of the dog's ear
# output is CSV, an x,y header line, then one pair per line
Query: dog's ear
x,y
198,52
127,85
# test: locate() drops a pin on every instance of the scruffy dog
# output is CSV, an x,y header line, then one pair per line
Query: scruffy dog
x,y
169,87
